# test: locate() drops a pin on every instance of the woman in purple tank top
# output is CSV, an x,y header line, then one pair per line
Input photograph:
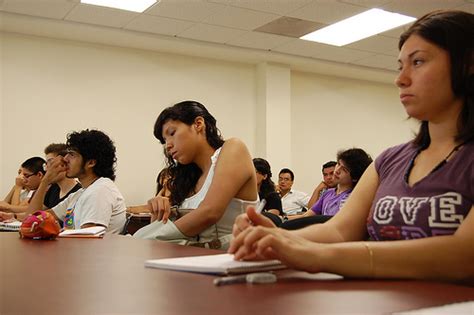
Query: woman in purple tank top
x,y
417,196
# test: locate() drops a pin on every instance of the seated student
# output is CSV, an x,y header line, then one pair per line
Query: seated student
x,y
64,186
161,190
416,199
211,180
327,183
293,201
350,166
19,194
266,190
91,159
30,174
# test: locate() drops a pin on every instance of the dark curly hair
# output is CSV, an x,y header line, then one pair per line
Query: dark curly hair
x,y
263,167
452,31
356,160
183,178
95,145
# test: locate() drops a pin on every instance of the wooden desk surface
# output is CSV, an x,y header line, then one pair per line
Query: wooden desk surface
x,y
107,276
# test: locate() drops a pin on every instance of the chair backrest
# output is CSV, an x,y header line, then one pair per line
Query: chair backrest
x,y
127,222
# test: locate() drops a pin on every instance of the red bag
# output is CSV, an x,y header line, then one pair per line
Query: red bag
x,y
40,225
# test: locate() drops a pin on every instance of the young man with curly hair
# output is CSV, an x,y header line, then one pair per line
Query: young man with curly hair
x,y
91,159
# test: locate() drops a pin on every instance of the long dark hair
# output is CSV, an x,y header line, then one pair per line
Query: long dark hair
x,y
183,178
452,31
263,167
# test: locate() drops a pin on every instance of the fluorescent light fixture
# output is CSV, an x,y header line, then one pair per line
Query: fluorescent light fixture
x,y
129,5
357,27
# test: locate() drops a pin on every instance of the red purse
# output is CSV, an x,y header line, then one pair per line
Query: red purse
x,y
40,225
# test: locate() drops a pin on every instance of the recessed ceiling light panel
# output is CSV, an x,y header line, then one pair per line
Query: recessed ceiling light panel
x,y
129,5
357,27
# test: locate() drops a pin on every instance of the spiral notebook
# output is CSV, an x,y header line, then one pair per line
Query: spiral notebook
x,y
10,226
214,264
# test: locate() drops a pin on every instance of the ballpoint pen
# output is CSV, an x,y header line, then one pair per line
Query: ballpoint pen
x,y
256,278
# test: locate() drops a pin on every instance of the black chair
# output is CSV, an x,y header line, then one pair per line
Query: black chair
x,y
304,222
127,222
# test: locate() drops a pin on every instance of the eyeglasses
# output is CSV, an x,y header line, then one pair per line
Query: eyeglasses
x,y
284,179
28,175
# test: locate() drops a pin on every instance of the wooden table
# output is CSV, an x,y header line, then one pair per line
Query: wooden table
x,y
107,276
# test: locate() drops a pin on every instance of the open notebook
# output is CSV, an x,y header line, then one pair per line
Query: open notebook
x,y
214,264
90,232
10,226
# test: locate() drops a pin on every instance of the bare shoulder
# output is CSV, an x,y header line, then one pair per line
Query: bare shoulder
x,y
234,145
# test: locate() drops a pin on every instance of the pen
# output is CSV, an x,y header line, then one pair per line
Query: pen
x,y
253,278
261,206
230,280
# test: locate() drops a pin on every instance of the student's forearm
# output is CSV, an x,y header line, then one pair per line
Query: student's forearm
x,y
17,209
295,216
15,200
8,197
36,202
314,197
196,221
443,257
320,233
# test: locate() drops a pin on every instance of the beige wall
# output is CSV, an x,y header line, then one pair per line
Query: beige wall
x,y
50,87
329,114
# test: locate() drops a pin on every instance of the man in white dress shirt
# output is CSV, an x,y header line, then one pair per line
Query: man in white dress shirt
x,y
293,201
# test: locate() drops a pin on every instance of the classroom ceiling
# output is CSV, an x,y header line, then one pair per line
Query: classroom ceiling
x,y
242,23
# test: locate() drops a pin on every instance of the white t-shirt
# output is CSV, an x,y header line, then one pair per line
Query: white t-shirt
x,y
294,201
100,203
26,194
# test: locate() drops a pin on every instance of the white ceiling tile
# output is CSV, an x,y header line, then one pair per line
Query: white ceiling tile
x,y
297,47
219,1
327,12
240,18
53,9
418,8
280,7
339,54
259,40
100,15
468,7
378,61
321,51
211,33
376,44
367,3
158,25
396,32
190,10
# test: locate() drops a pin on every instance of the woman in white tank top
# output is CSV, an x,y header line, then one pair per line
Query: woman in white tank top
x,y
211,180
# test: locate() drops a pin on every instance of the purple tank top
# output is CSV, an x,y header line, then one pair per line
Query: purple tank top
x,y
435,205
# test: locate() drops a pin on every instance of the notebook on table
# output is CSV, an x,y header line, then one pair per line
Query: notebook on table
x,y
10,226
223,264
90,232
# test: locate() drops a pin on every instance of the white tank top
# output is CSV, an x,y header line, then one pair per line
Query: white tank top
x,y
234,208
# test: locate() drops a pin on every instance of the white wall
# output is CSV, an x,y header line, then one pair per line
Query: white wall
x,y
330,114
51,87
